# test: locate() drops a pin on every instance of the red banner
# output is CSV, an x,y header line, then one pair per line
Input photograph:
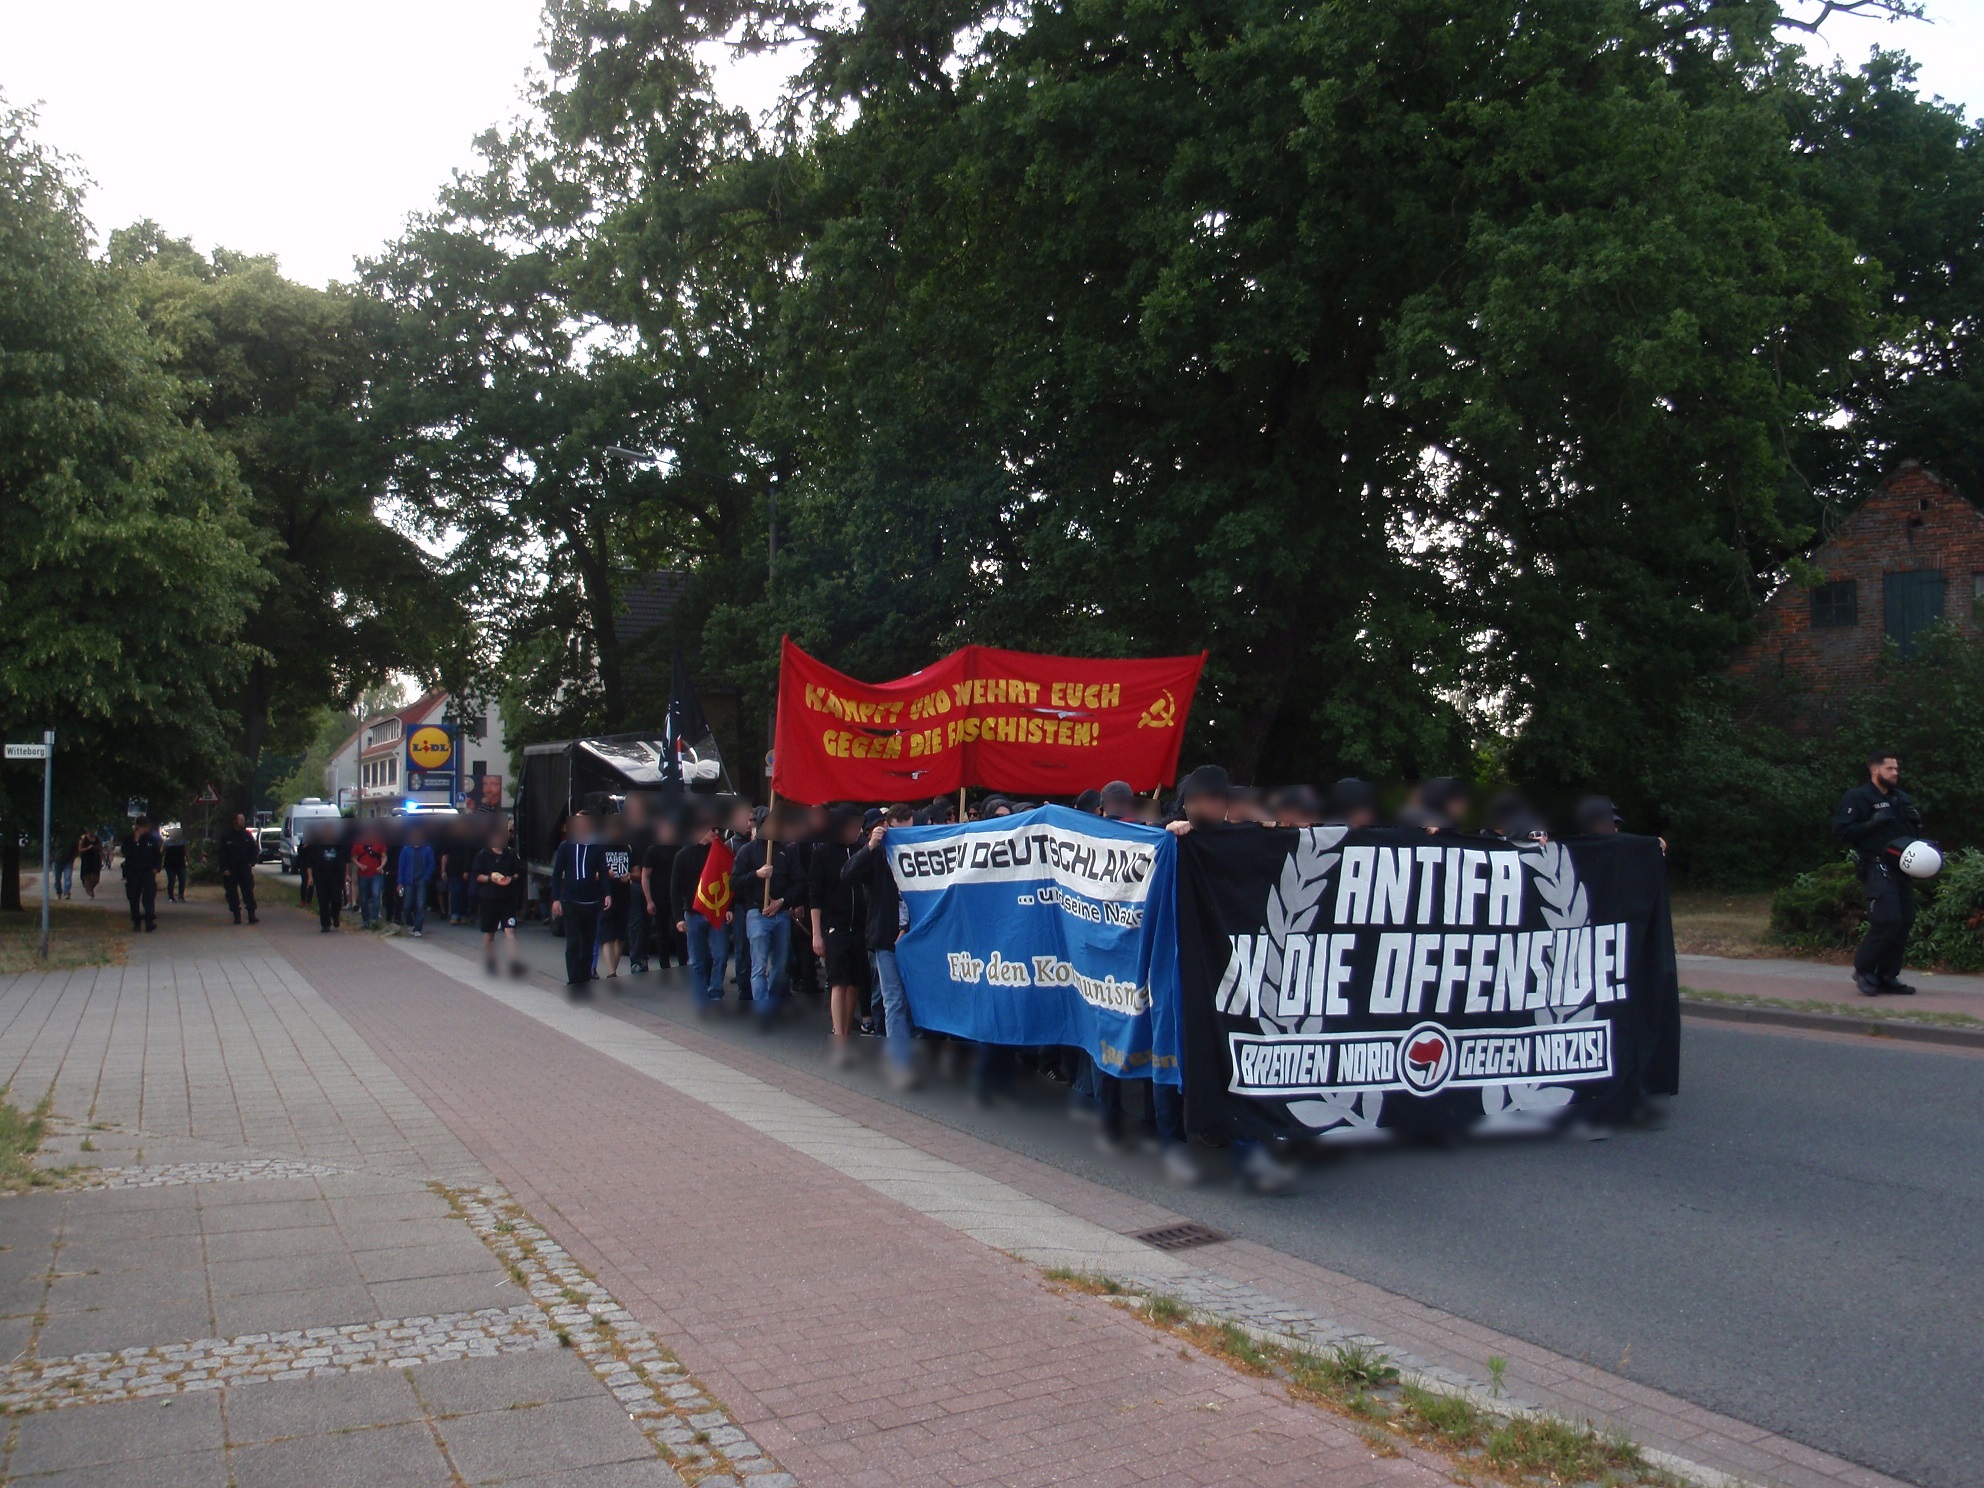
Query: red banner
x,y
1003,720
713,892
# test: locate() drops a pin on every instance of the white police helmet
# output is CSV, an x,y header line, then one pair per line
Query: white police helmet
x,y
1921,860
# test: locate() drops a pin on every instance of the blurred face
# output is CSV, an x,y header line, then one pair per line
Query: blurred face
x,y
1887,774
240,820
1206,809
740,821
582,828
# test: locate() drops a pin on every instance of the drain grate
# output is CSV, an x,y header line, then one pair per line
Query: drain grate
x,y
1180,1236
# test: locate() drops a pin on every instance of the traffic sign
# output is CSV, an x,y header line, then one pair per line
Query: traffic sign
x,y
27,751
207,797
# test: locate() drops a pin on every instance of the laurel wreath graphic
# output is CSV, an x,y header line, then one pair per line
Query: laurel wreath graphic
x,y
1566,906
1292,907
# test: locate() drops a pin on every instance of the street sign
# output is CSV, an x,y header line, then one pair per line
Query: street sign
x,y
207,797
27,751
134,807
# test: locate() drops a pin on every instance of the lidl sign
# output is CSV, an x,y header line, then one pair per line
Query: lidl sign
x,y
429,748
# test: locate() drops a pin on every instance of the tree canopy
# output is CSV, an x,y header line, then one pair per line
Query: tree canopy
x,y
130,564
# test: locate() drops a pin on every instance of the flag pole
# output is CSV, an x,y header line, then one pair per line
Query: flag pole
x,y
771,826
771,810
960,805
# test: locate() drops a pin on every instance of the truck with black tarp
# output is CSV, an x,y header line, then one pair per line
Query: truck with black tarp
x,y
596,775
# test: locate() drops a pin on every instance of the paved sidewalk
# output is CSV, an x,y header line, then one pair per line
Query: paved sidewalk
x,y
274,1267
856,1285
1819,981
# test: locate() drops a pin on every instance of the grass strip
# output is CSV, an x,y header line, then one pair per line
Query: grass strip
x,y
20,1139
1480,1445
78,936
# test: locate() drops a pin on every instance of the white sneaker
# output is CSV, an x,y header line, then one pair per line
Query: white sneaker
x,y
1262,1172
1180,1167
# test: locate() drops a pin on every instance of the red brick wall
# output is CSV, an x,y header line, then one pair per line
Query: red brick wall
x,y
1916,520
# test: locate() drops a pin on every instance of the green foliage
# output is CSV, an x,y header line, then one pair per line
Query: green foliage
x,y
128,565
280,374
1949,928
1820,910
329,729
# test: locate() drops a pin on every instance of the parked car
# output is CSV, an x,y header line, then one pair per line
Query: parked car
x,y
269,840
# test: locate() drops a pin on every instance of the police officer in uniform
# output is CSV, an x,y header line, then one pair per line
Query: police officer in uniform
x,y
1877,820
579,891
238,854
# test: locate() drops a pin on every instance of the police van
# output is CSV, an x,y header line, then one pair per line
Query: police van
x,y
297,820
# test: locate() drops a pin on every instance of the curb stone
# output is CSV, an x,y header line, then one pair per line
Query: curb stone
x,y
1899,1029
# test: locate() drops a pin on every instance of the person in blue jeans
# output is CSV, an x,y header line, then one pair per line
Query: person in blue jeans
x,y
416,870
709,944
868,868
766,877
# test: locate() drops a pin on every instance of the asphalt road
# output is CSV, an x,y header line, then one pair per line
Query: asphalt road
x,y
1800,1245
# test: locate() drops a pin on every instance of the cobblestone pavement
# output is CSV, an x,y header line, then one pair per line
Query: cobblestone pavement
x,y
857,1285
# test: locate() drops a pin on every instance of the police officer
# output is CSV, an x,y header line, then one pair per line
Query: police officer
x,y
238,853
580,889
1877,820
143,856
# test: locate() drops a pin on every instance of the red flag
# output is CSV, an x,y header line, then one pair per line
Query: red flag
x,y
1004,720
713,888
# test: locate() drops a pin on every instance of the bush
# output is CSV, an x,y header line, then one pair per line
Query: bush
x,y
1949,929
1820,910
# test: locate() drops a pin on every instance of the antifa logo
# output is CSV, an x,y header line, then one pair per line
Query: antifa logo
x,y
1429,1058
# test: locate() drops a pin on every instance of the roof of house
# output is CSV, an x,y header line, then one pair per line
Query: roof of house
x,y
419,708
647,603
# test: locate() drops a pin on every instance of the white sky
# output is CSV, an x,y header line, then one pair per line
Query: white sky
x,y
311,129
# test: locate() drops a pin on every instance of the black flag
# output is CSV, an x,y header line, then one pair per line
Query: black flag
x,y
693,762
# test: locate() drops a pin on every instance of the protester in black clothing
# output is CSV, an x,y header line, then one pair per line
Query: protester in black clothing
x,y
323,861
580,890
497,874
620,890
237,854
90,851
1297,806
1353,803
868,870
837,914
639,836
173,855
657,862
143,856
1877,820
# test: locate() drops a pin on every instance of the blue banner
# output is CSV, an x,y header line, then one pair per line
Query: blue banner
x,y
1052,927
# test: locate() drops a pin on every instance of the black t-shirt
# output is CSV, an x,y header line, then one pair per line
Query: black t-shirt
x,y
506,863
324,862
619,863
659,860
839,902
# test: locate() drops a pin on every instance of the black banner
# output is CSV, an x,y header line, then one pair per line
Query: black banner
x,y
1349,985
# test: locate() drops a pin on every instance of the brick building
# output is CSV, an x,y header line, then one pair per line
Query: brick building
x,y
1911,556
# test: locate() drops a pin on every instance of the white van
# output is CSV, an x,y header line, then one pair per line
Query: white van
x,y
297,820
